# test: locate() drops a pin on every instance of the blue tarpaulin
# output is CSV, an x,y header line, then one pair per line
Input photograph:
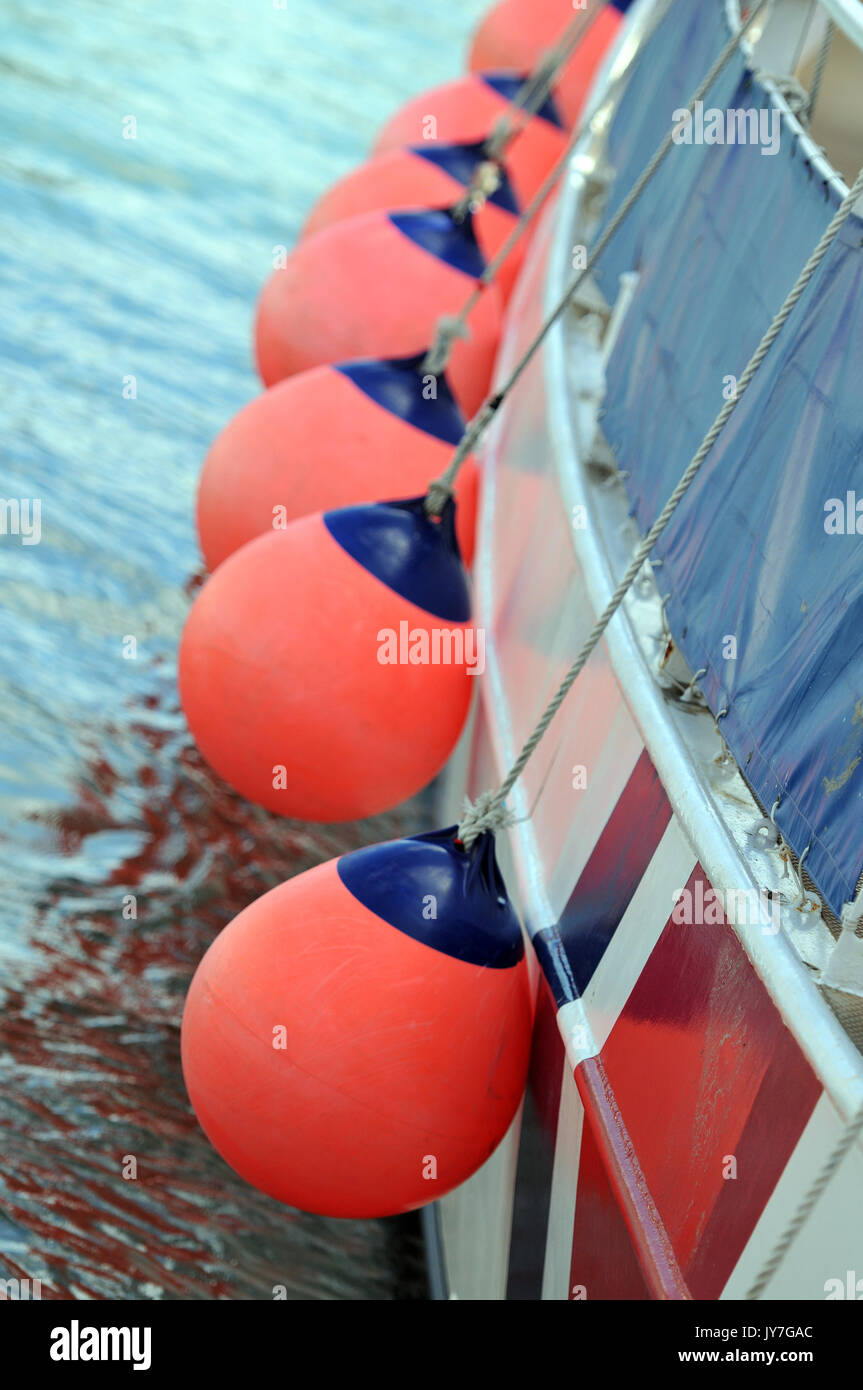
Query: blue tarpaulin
x,y
763,560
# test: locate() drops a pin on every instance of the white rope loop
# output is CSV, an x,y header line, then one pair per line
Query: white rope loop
x,y
485,181
449,328
439,493
481,817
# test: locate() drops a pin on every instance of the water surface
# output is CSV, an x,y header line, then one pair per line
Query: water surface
x,y
151,158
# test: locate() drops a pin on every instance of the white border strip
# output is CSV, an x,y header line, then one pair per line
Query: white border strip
x,y
829,1245
564,1188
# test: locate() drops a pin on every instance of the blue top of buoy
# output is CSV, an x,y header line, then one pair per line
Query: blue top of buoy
x,y
399,385
437,232
460,161
509,84
450,898
415,556
622,5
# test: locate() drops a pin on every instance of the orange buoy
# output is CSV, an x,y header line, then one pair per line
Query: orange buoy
x,y
355,1043
328,438
325,670
517,34
431,175
467,110
376,286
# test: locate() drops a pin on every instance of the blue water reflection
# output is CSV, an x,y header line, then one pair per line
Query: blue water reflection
x,y
130,268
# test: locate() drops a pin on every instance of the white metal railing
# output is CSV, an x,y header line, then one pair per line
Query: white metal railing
x,y
847,15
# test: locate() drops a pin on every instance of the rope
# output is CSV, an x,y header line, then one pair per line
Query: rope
x,y
451,326
536,88
487,174
475,815
795,96
485,181
823,55
852,1133
493,817
487,411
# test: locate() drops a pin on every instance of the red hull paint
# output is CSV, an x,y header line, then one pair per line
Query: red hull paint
x,y
705,1071
650,1244
604,1264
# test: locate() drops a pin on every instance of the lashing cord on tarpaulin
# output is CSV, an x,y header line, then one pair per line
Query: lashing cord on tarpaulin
x,y
488,813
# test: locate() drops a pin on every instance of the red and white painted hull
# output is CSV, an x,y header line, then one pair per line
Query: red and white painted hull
x,y
673,1120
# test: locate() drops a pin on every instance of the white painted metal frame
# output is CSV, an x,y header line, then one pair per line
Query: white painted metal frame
x,y
774,49
847,15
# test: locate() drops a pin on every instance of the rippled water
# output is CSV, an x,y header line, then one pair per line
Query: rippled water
x,y
129,269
